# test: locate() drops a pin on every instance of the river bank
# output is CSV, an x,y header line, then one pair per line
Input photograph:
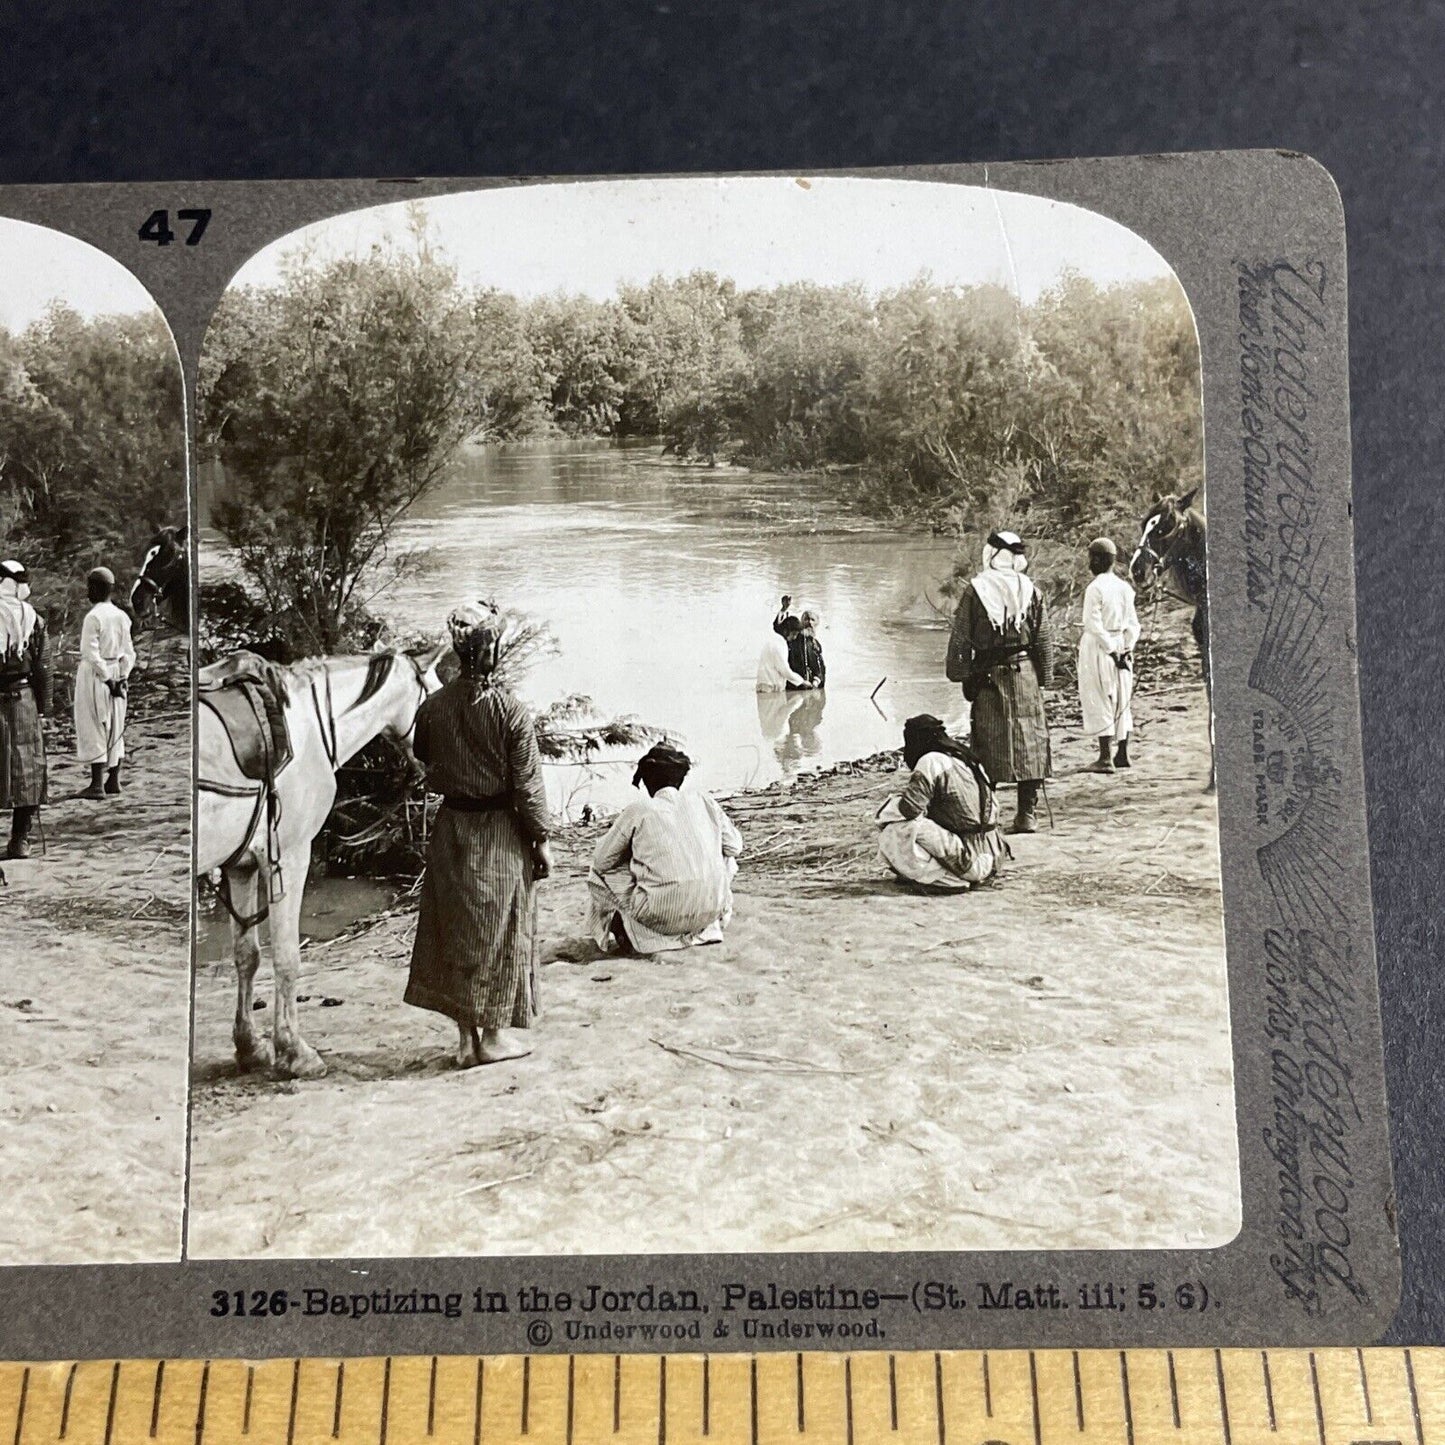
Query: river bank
x,y
1042,1063
95,998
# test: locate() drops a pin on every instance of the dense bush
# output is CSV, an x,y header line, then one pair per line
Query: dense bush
x,y
92,450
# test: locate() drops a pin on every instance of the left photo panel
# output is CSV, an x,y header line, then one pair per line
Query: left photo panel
x,y
95,760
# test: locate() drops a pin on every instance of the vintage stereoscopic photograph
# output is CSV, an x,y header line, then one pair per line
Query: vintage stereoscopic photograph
x,y
95,760
704,735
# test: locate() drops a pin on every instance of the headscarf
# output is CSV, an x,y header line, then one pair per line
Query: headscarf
x,y
17,616
663,766
476,632
1003,586
926,734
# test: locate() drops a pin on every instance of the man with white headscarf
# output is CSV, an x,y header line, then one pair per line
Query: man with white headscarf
x,y
474,959
107,656
24,698
1002,651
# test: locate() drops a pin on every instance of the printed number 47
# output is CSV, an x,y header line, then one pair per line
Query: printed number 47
x,y
157,227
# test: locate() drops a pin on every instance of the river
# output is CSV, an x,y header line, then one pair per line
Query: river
x,y
660,581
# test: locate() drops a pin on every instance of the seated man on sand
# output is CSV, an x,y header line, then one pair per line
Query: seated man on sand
x,y
942,831
662,876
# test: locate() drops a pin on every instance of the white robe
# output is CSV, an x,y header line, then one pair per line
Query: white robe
x,y
106,655
1110,625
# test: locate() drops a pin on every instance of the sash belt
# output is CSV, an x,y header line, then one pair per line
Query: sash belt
x,y
494,804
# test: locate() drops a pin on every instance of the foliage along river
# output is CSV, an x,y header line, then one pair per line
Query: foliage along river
x,y
659,582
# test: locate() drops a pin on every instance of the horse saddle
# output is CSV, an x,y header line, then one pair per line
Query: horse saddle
x,y
245,693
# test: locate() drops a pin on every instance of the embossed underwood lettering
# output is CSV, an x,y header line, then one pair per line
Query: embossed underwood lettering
x,y
1298,800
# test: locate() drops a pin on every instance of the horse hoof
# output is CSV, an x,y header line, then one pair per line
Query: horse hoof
x,y
305,1063
253,1061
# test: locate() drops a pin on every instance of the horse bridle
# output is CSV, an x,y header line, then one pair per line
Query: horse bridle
x,y
327,721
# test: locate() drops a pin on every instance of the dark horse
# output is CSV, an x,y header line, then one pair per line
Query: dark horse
x,y
162,588
1172,552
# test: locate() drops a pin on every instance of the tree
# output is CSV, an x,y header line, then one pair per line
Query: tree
x,y
333,403
92,449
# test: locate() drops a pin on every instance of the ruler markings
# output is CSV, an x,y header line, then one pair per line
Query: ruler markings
x,y
1365,1388
1414,1398
110,1404
385,1399
753,1398
1268,1389
20,1406
1319,1403
200,1402
571,1394
938,1393
1128,1402
1329,1396
336,1399
65,1405
156,1398
1034,1398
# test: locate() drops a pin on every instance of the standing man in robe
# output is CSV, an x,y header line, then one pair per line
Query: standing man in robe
x,y
1106,665
24,698
1002,652
107,656
474,958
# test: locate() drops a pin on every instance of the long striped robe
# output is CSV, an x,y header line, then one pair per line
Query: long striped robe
x,y
474,955
1003,674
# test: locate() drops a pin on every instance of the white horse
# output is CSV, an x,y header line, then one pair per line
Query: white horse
x,y
334,706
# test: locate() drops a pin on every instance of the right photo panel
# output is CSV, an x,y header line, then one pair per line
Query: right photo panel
x,y
704,737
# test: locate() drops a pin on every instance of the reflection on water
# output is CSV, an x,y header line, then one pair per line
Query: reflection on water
x,y
331,906
660,582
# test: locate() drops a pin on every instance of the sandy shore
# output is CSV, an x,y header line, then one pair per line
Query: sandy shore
x,y
1042,1063
94,1008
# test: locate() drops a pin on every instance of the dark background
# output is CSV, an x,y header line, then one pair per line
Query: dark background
x,y
125,91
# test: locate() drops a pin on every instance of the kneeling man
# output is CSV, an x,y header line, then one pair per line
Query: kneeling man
x,y
662,876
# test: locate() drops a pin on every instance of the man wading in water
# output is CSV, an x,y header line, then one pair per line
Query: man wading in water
x,y
474,959
1002,651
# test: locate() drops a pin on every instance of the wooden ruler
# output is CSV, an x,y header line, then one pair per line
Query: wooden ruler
x,y
998,1397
